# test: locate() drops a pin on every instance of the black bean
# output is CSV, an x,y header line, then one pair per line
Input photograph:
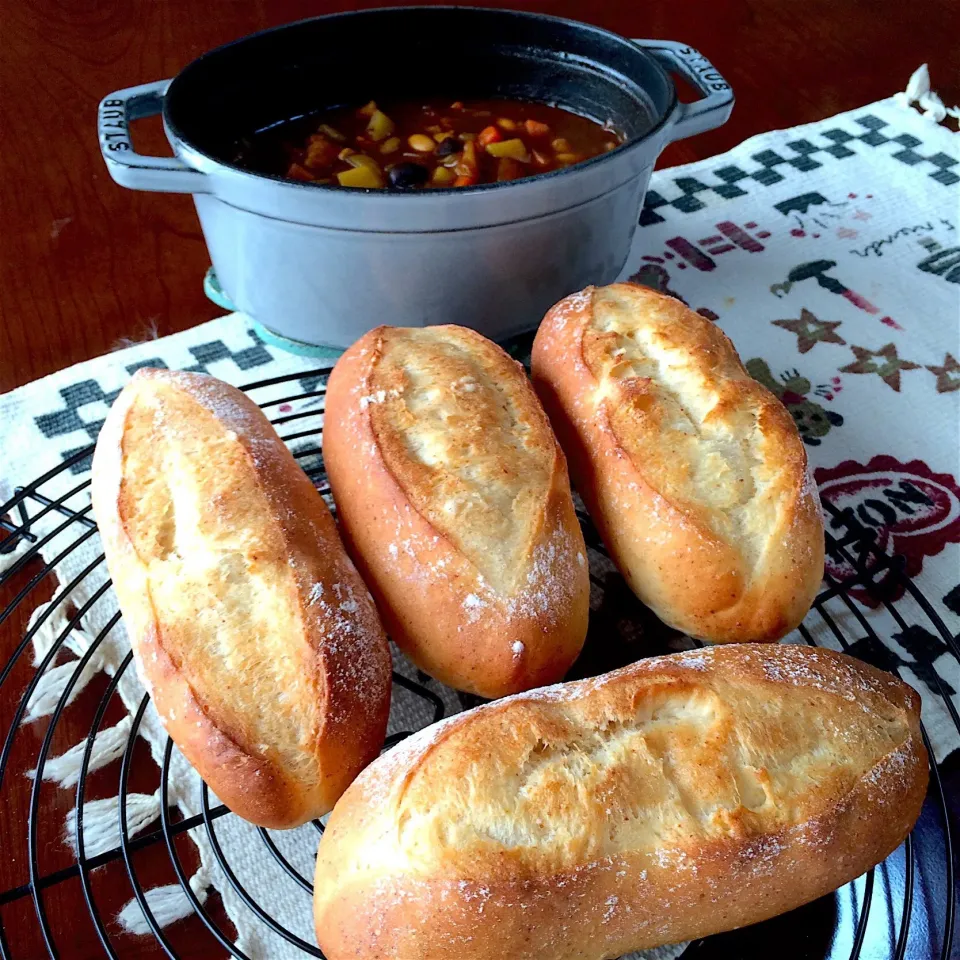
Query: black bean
x,y
403,176
448,146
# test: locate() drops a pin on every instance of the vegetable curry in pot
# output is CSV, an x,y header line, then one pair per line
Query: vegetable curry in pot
x,y
413,145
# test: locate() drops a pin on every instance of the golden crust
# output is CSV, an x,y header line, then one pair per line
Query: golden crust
x,y
250,626
692,471
679,797
454,501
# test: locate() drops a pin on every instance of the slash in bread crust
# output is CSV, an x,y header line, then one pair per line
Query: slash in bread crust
x,y
250,626
693,472
454,501
676,798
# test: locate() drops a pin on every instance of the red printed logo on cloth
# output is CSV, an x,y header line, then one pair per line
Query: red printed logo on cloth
x,y
910,510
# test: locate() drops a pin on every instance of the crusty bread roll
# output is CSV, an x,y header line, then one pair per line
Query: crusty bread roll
x,y
250,626
454,501
693,473
675,798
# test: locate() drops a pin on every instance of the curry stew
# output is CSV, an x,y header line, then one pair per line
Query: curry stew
x,y
416,145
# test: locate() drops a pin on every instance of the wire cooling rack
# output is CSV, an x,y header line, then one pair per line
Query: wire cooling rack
x,y
904,908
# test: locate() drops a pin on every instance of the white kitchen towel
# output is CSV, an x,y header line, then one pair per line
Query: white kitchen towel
x,y
829,253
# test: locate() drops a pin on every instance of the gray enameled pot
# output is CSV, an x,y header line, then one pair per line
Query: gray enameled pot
x,y
323,264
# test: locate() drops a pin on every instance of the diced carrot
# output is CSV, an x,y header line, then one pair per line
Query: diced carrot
x,y
296,172
489,134
320,153
509,169
464,181
536,129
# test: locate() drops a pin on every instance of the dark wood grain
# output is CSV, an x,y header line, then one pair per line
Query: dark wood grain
x,y
86,264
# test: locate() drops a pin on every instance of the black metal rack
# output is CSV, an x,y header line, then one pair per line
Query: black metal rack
x,y
905,908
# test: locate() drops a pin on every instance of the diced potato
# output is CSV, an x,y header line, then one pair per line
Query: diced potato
x,y
390,145
369,109
468,165
331,132
362,160
442,135
567,158
346,152
515,148
443,177
380,126
560,145
360,177
434,128
467,137
505,123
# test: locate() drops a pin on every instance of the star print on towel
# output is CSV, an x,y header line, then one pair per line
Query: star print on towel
x,y
887,364
811,331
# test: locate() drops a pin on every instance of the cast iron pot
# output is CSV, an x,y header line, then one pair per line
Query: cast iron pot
x,y
323,264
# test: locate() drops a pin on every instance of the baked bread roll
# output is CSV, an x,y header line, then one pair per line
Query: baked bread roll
x,y
675,798
693,473
454,501
250,627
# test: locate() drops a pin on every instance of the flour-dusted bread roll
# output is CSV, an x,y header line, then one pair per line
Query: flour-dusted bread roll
x,y
693,473
250,626
675,798
454,501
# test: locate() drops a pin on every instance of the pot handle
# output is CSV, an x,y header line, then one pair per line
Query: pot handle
x,y
125,165
717,103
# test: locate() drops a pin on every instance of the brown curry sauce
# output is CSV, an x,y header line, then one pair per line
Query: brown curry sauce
x,y
409,145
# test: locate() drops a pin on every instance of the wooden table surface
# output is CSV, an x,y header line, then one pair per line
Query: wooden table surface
x,y
87,264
